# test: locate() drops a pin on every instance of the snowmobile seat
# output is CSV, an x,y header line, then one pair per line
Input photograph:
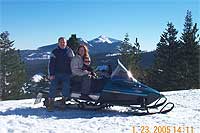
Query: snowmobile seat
x,y
96,85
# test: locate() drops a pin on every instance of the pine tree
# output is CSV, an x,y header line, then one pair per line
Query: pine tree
x,y
5,45
1,74
73,42
13,75
131,55
135,58
190,55
125,50
164,74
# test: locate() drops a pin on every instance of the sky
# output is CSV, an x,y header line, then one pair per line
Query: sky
x,y
35,23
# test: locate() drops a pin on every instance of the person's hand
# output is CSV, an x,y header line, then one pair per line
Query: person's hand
x,y
86,71
51,77
94,74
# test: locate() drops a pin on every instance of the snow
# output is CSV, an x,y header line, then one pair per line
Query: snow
x,y
103,39
31,54
23,116
85,41
38,56
114,54
37,77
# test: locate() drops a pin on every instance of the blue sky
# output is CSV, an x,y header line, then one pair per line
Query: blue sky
x,y
34,23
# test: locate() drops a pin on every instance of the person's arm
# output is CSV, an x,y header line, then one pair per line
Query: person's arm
x,y
76,68
52,64
70,53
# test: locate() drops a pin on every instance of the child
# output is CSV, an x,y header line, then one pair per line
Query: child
x,y
86,65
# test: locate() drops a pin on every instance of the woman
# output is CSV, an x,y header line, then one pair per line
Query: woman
x,y
80,74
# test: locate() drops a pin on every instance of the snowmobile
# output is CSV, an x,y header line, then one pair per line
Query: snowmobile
x,y
119,88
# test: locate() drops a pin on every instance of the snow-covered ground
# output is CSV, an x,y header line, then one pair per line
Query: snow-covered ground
x,y
24,116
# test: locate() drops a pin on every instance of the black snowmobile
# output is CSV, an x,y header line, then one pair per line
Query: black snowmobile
x,y
120,89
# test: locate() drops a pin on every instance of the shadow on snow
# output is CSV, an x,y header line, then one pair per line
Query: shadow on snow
x,y
66,114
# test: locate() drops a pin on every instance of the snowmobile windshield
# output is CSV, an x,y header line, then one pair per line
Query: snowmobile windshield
x,y
121,73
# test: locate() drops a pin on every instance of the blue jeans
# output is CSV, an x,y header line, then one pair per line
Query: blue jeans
x,y
65,79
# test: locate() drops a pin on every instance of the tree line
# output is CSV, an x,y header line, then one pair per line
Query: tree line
x,y
176,64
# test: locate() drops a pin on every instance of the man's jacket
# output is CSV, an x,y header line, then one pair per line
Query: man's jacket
x,y
60,61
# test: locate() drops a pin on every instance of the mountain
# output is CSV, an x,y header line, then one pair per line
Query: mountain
x,y
100,45
24,116
103,40
104,44
48,48
83,41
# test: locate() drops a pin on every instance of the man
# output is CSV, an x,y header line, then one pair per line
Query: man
x,y
60,71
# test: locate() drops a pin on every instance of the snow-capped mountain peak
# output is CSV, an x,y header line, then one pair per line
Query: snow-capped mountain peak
x,y
102,39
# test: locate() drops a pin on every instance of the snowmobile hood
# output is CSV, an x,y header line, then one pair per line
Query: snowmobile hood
x,y
125,81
